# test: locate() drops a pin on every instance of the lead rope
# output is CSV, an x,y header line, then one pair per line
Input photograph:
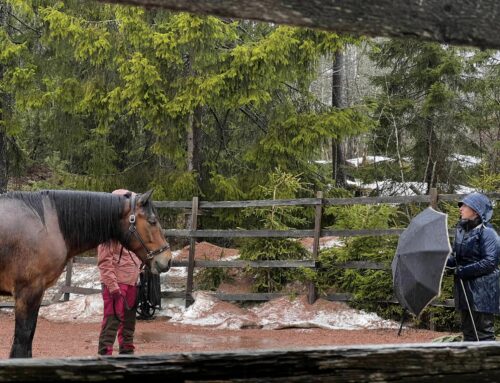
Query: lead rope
x,y
149,295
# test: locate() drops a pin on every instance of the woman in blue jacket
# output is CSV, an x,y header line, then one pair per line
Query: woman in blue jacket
x,y
475,259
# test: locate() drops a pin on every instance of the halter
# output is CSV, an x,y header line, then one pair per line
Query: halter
x,y
133,230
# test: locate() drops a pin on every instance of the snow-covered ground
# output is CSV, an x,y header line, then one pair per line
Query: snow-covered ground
x,y
394,188
462,159
207,310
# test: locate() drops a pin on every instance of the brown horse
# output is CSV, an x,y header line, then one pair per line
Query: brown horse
x,y
41,231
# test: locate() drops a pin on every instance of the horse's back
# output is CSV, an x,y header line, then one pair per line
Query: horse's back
x,y
17,219
31,247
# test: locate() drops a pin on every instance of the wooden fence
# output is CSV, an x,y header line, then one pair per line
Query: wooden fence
x,y
316,233
429,362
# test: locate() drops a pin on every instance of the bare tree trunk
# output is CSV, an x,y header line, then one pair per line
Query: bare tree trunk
x,y
430,169
193,127
3,152
193,138
337,101
194,141
3,137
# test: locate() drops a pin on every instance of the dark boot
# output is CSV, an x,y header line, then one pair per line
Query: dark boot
x,y
127,349
484,324
126,333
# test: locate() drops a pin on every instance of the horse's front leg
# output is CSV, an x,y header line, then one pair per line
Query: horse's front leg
x,y
28,302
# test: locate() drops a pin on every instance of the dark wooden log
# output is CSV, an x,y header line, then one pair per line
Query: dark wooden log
x,y
462,22
456,362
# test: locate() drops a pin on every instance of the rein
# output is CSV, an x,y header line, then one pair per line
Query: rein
x,y
133,230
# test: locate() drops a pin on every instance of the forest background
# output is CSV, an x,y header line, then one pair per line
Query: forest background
x,y
97,97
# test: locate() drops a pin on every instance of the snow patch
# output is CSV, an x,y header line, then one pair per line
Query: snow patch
x,y
86,309
209,311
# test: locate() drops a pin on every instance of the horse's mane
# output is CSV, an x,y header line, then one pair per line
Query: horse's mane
x,y
83,216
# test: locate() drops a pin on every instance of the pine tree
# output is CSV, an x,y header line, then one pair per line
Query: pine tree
x,y
108,89
419,107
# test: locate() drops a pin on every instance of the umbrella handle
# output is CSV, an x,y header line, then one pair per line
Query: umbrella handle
x,y
468,306
403,317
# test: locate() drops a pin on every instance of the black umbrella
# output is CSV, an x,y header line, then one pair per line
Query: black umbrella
x,y
418,266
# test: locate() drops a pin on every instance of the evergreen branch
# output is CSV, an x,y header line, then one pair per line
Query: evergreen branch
x,y
39,34
10,26
12,39
129,168
96,22
254,119
292,88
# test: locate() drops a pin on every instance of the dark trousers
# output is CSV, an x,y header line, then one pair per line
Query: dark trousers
x,y
119,319
485,326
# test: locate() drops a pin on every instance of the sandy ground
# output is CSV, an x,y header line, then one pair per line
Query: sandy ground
x,y
71,339
73,330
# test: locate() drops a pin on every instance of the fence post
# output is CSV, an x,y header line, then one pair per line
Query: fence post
x,y
69,272
433,195
192,248
312,294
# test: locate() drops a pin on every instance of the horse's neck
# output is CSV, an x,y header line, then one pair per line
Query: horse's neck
x,y
89,229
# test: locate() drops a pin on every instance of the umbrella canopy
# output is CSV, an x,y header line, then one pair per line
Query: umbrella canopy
x,y
418,266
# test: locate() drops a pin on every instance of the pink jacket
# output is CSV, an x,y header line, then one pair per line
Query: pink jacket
x,y
115,269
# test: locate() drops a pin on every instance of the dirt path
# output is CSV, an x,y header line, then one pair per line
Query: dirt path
x,y
69,339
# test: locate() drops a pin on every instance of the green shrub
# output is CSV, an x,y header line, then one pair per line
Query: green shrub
x,y
273,279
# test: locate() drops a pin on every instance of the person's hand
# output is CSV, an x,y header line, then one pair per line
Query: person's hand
x,y
459,272
450,270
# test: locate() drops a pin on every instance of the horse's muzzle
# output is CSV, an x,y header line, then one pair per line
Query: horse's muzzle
x,y
162,267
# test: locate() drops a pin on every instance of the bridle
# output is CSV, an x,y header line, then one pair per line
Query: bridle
x,y
132,229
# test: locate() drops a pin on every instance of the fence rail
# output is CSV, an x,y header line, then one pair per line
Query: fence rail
x,y
419,362
319,203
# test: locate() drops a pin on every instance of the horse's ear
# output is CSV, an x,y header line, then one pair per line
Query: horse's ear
x,y
144,198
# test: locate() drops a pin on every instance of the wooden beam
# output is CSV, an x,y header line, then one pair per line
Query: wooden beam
x,y
11,305
461,22
277,233
446,362
316,201
192,251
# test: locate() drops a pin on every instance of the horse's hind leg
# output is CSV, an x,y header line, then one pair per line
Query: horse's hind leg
x,y
27,305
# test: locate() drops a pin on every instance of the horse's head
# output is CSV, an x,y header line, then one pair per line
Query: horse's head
x,y
145,236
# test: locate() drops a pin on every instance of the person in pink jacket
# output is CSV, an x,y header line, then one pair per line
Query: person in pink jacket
x,y
119,270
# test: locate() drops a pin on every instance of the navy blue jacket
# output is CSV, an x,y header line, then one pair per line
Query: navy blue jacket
x,y
476,256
